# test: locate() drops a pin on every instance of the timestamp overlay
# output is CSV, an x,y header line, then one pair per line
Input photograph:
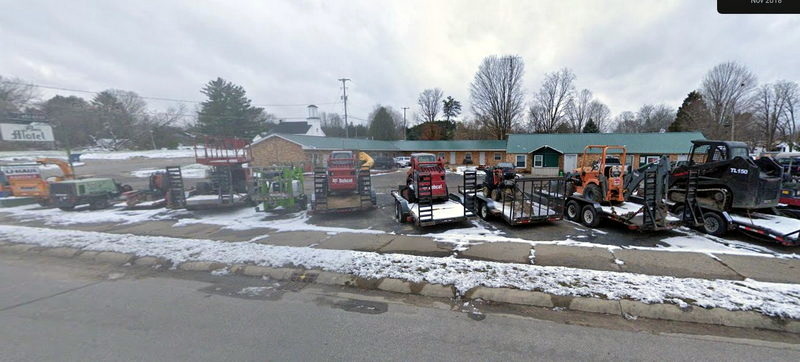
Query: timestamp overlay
x,y
758,6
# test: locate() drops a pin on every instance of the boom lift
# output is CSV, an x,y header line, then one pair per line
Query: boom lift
x,y
278,187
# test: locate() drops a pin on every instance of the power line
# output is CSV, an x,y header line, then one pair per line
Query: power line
x,y
157,98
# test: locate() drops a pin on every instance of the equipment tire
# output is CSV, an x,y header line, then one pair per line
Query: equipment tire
x,y
589,216
99,204
573,211
593,192
67,208
714,224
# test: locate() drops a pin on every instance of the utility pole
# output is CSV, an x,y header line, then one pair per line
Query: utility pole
x,y
404,123
344,98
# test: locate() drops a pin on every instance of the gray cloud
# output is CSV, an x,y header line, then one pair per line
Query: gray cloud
x,y
292,52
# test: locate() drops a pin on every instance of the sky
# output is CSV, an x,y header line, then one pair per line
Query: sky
x,y
287,54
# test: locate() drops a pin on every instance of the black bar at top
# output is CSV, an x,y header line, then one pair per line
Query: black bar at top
x,y
758,6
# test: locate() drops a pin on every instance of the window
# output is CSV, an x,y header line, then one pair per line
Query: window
x,y
468,156
521,159
498,156
538,160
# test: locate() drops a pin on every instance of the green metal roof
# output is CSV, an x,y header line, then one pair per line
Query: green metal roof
x,y
337,143
655,143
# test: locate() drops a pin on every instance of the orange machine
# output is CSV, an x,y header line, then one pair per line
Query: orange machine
x,y
27,180
602,181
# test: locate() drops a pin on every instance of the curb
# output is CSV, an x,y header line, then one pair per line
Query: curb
x,y
623,307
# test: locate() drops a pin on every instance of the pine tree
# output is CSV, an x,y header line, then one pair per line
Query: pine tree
x,y
228,112
381,126
691,114
451,108
591,127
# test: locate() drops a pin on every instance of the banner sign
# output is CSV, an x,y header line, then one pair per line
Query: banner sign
x,y
26,172
34,132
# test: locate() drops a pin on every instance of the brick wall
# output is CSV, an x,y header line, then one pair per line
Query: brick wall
x,y
276,151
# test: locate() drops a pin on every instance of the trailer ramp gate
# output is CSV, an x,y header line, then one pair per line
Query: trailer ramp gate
x,y
529,200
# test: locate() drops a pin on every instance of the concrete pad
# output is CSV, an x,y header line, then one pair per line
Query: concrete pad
x,y
112,257
514,296
775,270
239,235
503,252
60,252
677,264
416,246
294,238
354,241
575,257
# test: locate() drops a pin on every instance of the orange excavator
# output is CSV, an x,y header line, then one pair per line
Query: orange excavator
x,y
27,180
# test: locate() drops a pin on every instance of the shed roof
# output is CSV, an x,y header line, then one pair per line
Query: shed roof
x,y
657,143
338,143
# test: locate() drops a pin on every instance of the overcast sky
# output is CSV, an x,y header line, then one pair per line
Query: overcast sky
x,y
292,52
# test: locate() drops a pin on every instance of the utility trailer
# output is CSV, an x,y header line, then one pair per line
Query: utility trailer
x,y
769,227
645,211
422,209
525,200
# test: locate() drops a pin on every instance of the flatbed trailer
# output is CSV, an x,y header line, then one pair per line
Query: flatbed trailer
x,y
765,225
635,215
528,200
457,208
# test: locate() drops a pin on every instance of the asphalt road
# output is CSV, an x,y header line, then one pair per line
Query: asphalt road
x,y
67,311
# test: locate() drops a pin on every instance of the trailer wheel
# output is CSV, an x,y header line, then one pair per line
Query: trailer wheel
x,y
67,208
573,211
714,224
483,211
589,216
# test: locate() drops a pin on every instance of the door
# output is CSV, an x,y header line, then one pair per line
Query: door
x,y
452,158
570,162
482,158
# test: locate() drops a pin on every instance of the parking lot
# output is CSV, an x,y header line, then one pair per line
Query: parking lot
x,y
382,218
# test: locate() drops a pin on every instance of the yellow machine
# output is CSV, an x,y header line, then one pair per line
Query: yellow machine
x,y
27,180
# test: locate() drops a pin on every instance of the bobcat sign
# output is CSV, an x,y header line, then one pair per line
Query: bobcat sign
x,y
34,132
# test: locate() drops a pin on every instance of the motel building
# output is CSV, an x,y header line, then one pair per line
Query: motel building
x,y
536,154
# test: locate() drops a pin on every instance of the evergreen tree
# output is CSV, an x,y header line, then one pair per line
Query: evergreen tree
x,y
228,112
590,127
382,126
692,114
451,108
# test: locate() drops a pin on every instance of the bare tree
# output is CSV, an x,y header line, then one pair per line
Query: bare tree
x,y
792,133
726,90
497,94
429,104
770,109
15,94
600,114
578,110
548,110
625,122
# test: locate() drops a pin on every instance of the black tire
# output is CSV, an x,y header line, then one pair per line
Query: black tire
x,y
43,202
99,204
593,192
589,216
483,211
714,224
302,203
496,194
67,208
573,211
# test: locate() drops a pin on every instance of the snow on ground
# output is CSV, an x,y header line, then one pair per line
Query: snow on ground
x,y
96,155
773,299
194,170
459,170
55,217
248,218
